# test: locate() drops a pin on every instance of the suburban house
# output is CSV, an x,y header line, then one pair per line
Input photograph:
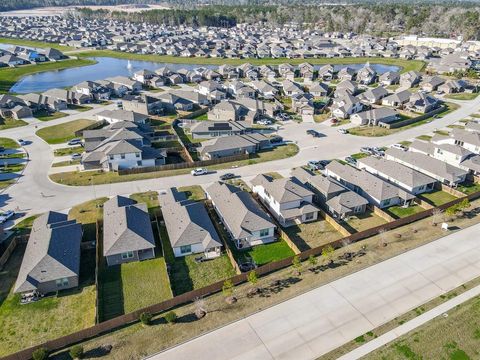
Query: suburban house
x,y
67,96
290,201
437,169
249,110
410,79
366,75
223,146
318,89
468,138
407,178
389,78
374,96
345,106
127,231
397,99
432,83
189,227
120,145
246,222
211,129
378,191
52,257
112,116
376,116
422,103
339,201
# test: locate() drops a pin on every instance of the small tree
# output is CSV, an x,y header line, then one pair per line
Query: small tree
x,y
252,279
200,309
40,354
450,212
171,317
296,264
436,216
327,253
227,289
146,318
76,352
312,260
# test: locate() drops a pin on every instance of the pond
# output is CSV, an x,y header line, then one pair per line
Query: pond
x,y
109,67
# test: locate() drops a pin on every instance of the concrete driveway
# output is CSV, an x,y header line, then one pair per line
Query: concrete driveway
x,y
325,318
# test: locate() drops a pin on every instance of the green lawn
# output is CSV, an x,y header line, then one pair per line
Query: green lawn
x,y
10,123
87,214
76,178
359,155
406,65
201,117
9,76
12,168
400,211
150,198
194,192
438,197
80,108
66,163
468,188
9,143
47,116
49,318
58,134
462,96
69,151
263,254
424,137
35,44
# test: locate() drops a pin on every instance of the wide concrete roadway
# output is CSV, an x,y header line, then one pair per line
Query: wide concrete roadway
x,y
35,193
320,320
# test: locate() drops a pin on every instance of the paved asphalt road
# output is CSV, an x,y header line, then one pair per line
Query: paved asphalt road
x,y
35,193
325,318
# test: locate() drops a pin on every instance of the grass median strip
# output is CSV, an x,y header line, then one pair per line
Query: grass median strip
x,y
58,134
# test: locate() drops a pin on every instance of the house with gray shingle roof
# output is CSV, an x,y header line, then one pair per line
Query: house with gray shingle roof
x,y
245,221
289,201
189,227
52,257
223,146
127,231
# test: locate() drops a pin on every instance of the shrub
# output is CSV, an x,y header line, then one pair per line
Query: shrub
x,y
40,354
227,288
76,352
146,318
252,277
170,317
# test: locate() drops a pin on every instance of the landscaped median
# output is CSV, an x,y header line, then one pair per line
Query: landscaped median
x,y
81,178
61,133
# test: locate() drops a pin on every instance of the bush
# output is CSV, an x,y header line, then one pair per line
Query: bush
x,y
40,354
76,352
170,317
146,318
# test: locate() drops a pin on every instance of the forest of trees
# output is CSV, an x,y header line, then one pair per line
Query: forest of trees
x,y
428,17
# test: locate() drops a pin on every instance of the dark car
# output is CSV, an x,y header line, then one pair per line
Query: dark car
x,y
227,176
313,133
324,162
351,160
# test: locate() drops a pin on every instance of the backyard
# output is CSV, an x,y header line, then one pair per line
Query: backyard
x,y
400,211
360,222
263,254
437,197
76,178
311,235
61,133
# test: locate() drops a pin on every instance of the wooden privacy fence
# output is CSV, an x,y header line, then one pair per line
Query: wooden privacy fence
x,y
121,321
185,165
413,120
11,248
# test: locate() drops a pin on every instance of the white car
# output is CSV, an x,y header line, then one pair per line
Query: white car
x,y
264,122
343,131
6,215
399,147
199,171
76,156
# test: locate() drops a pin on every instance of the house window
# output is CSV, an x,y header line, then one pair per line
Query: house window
x,y
122,156
61,282
186,249
111,157
264,232
127,255
137,155
309,216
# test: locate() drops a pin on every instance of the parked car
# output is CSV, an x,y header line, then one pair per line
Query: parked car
x,y
22,142
399,147
76,156
324,162
276,139
313,133
264,122
227,176
314,165
343,131
199,171
76,141
366,150
6,215
351,160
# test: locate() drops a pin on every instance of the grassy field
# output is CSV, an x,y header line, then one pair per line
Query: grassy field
x,y
400,211
438,197
462,96
9,76
311,235
58,134
35,44
27,325
406,65
9,143
456,337
47,116
10,123
75,178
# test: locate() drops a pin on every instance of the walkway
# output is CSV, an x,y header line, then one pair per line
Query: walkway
x,y
410,325
314,323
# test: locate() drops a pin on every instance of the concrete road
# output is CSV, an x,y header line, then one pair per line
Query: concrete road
x,y
35,193
316,322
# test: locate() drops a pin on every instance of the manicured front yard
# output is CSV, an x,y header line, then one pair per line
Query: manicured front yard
x,y
53,316
400,211
437,197
58,134
47,116
66,163
311,235
8,143
80,108
10,123
76,178
462,96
